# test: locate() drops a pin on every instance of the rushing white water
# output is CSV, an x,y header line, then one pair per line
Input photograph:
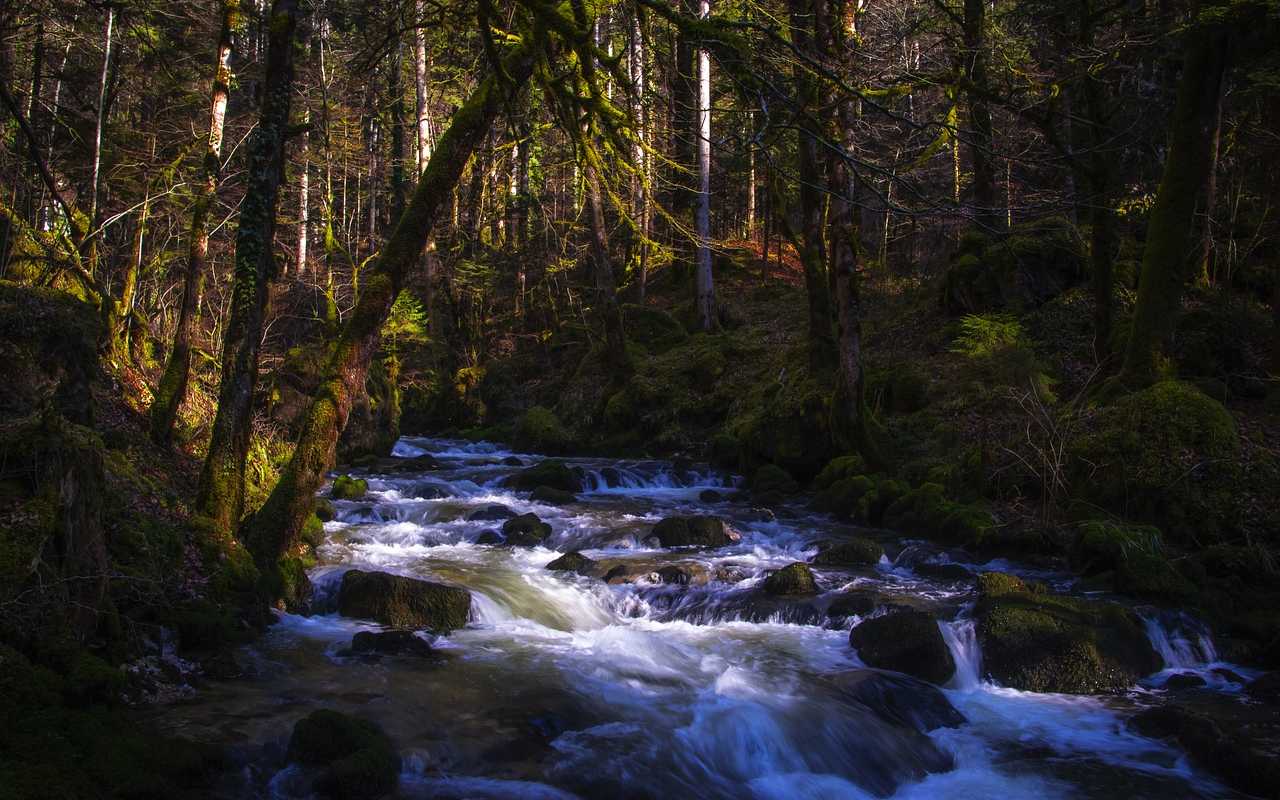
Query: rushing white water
x,y
567,686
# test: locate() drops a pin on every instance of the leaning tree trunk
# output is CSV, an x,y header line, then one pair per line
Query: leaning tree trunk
x,y
173,384
221,493
274,530
1172,244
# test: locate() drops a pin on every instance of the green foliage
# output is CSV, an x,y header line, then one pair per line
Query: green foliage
x,y
839,468
541,431
999,352
406,324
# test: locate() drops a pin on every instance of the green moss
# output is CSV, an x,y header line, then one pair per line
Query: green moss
x,y
854,552
551,473
540,430
839,468
313,532
794,578
346,487
403,602
771,479
1166,456
843,497
657,330
1041,642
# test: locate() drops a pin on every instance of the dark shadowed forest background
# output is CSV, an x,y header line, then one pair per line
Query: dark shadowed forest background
x,y
1002,274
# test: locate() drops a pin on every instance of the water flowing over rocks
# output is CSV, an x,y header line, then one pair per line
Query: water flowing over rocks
x,y
905,641
651,639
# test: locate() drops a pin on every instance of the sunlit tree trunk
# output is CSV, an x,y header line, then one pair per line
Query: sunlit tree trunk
x,y
221,492
95,182
706,295
172,389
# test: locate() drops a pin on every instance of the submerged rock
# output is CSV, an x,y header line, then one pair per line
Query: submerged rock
x,y
358,759
403,602
553,473
491,513
553,497
573,562
1041,642
794,578
1184,680
526,530
710,496
906,641
900,699
490,537
852,603
346,487
854,552
423,463
513,461
1244,756
694,532
390,643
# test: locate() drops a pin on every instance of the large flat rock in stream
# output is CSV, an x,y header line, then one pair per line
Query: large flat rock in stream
x,y
402,602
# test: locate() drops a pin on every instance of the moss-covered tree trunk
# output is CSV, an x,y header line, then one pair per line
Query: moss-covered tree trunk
x,y
221,493
845,222
684,137
1102,177
981,135
1172,245
274,530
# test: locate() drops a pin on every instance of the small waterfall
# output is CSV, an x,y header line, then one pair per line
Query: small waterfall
x,y
962,641
1182,641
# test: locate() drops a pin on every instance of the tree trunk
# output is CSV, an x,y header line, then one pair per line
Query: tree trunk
x,y
684,137
275,528
981,136
95,182
221,493
1172,242
396,88
172,389
808,24
423,112
706,295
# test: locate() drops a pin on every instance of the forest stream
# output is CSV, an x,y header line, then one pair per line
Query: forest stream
x,y
686,682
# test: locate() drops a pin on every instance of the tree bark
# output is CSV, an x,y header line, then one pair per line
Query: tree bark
x,y
1172,244
221,492
172,389
808,26
684,137
705,287
275,528
980,136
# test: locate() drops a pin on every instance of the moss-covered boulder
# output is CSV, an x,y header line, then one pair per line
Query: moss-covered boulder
x,y
324,510
539,430
1033,263
346,487
787,424
358,760
551,473
772,482
904,641
839,468
856,552
926,511
694,531
848,498
403,602
573,562
792,579
526,530
1041,642
1166,456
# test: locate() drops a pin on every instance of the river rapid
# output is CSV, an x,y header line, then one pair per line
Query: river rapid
x,y
566,686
